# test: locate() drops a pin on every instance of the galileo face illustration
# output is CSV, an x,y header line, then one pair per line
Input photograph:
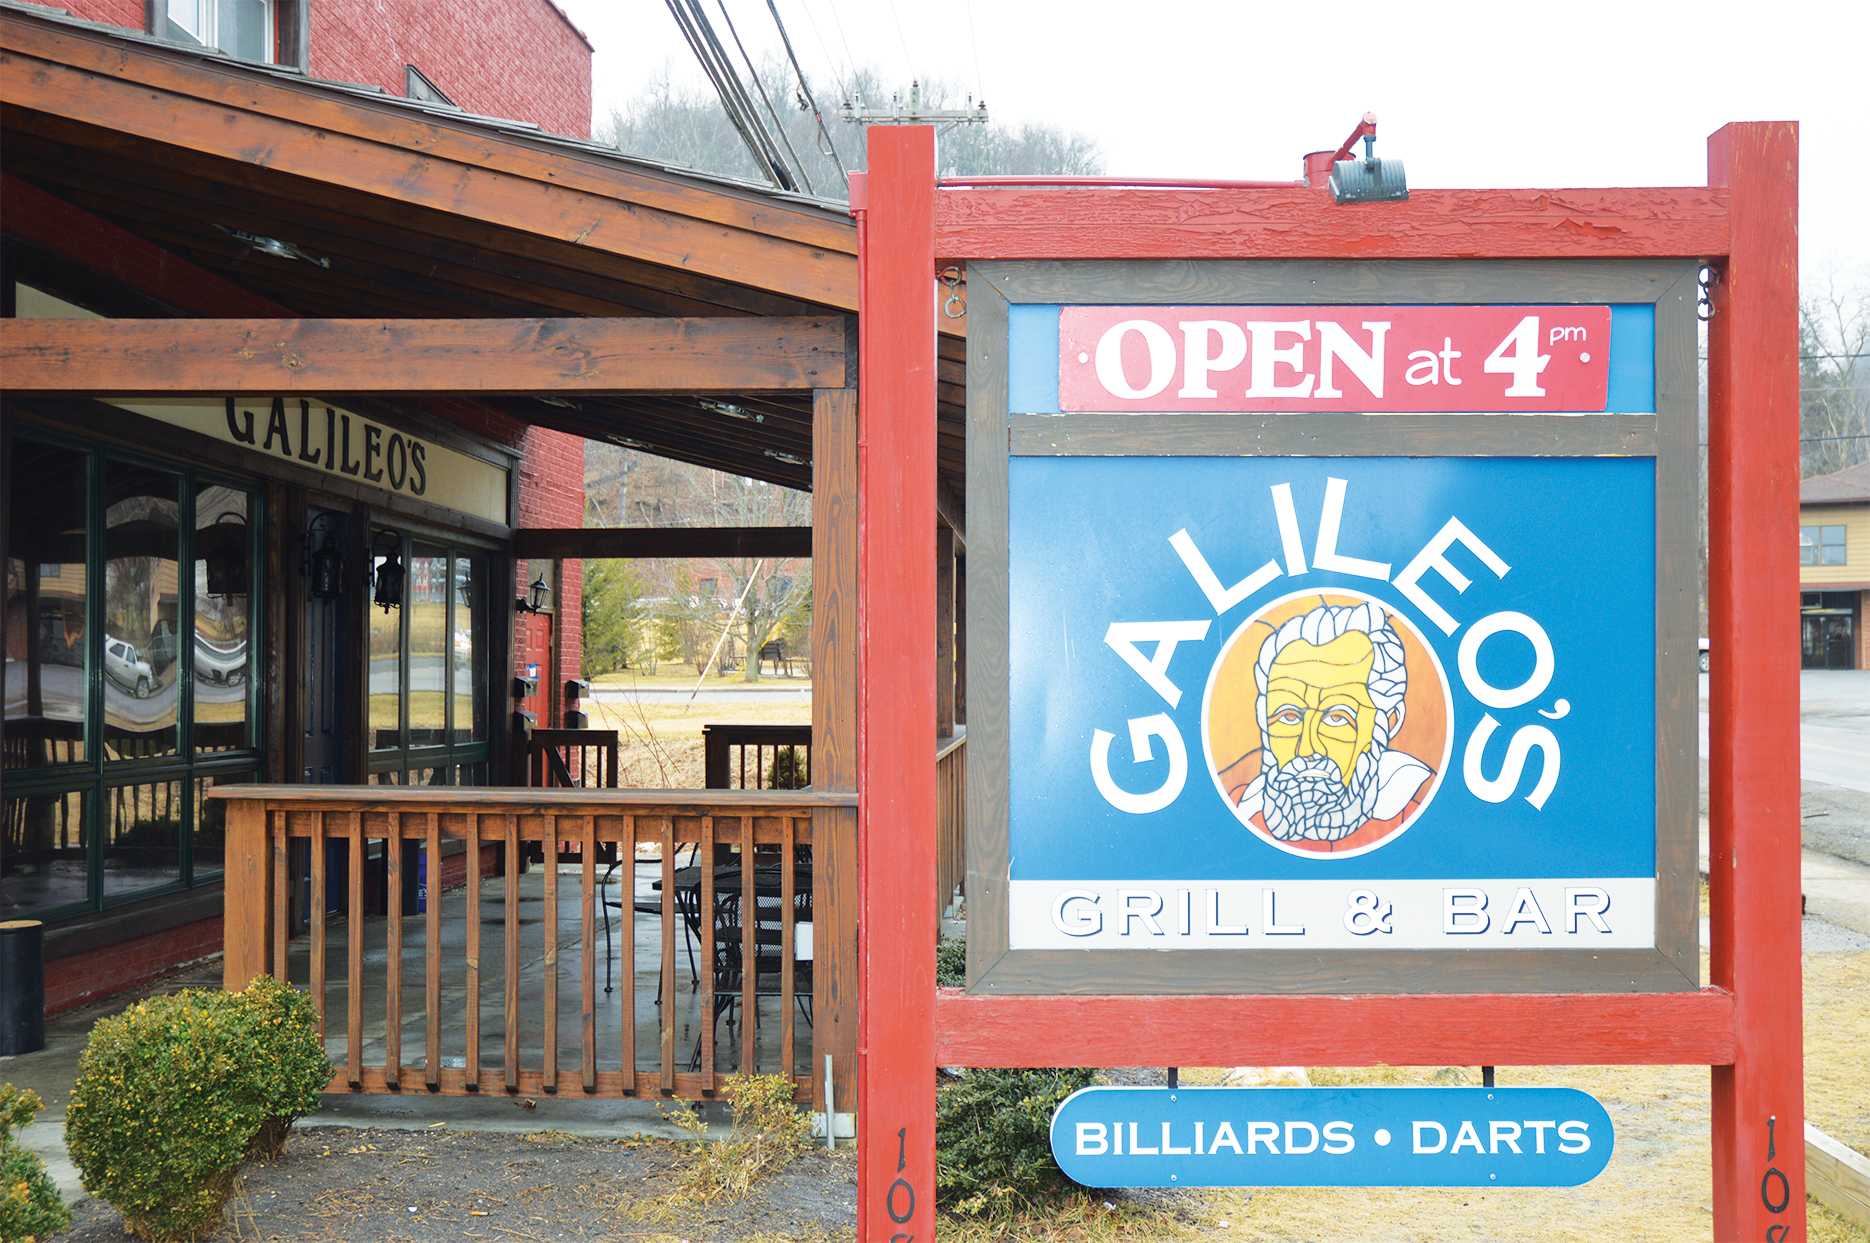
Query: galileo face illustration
x,y
1329,686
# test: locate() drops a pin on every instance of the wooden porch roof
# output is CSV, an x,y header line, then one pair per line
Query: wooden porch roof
x,y
412,210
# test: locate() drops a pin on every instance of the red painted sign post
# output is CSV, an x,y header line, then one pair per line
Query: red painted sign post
x,y
1745,1024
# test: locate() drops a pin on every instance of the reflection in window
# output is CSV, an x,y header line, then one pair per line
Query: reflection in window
x,y
468,693
42,853
45,607
386,671
425,599
142,836
210,843
141,515
223,575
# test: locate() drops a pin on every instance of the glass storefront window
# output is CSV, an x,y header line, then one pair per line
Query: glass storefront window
x,y
143,824
386,671
141,610
46,607
426,602
467,691
43,861
102,629
223,607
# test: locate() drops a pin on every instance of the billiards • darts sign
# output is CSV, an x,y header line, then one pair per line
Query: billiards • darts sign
x,y
1329,701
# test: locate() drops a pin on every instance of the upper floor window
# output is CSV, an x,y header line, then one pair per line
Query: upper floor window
x,y
1821,545
416,86
266,31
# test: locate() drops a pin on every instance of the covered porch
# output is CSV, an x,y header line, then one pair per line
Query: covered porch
x,y
466,274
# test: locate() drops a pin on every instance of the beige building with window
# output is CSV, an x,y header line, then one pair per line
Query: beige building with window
x,y
1834,569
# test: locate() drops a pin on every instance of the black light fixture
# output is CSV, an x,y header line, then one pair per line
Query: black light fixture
x,y
225,547
387,577
1368,180
324,561
538,591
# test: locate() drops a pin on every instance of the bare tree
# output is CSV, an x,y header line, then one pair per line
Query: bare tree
x,y
1834,377
666,123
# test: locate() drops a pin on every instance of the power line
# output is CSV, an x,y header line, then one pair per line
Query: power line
x,y
973,38
760,86
824,49
908,61
850,60
831,148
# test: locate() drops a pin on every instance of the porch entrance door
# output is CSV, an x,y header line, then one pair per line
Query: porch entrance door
x,y
325,716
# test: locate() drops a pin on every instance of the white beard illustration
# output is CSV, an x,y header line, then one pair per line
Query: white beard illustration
x,y
1309,800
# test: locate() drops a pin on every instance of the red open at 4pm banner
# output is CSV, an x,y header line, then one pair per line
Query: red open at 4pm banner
x,y
1334,358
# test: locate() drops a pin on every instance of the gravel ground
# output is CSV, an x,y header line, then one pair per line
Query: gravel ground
x,y
383,1186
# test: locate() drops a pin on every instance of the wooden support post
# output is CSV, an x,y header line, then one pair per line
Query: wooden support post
x,y
835,512
896,612
1753,789
944,630
246,901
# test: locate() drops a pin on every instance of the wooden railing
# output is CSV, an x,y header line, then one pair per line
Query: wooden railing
x,y
950,820
794,850
756,757
581,758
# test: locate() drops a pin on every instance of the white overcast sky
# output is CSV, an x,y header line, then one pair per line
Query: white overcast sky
x,y
1496,94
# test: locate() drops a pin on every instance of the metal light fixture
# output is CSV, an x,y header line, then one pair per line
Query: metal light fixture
x,y
324,562
538,591
1368,180
274,247
225,547
388,577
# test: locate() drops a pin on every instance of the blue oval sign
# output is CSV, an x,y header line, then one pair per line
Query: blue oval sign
x,y
1331,1137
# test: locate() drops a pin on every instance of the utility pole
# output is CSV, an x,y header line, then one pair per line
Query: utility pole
x,y
915,113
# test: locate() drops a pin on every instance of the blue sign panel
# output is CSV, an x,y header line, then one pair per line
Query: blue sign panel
x,y
1331,1137
1305,703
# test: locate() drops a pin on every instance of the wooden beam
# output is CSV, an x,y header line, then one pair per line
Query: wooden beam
x,y
948,510
513,356
1838,1176
1435,1030
637,542
1301,223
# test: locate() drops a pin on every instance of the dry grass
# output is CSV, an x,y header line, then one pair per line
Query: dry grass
x,y
660,743
1657,1187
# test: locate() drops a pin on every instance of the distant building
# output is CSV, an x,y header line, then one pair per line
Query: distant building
x,y
1834,569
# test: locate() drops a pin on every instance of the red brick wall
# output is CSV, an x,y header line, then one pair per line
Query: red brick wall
x,y
81,978
518,59
551,494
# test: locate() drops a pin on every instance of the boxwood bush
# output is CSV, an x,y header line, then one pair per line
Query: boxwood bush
x,y
30,1208
175,1092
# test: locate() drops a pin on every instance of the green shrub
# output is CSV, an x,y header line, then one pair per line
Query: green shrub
x,y
993,1152
287,1069
30,1208
950,962
175,1092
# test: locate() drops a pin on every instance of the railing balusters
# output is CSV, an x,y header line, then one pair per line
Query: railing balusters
x,y
749,948
432,948
354,956
788,861
549,1073
706,1009
667,1019
282,897
511,973
318,909
587,960
626,952
393,965
472,1051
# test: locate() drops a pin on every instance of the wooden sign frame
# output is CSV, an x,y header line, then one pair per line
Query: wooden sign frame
x,y
1745,1024
1667,436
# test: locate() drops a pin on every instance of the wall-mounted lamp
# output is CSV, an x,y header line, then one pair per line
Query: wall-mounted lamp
x,y
1368,180
225,546
538,592
387,577
324,561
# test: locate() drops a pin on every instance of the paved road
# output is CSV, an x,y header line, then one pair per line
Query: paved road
x,y
1834,727
764,694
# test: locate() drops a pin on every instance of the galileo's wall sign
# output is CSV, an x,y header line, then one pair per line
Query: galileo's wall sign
x,y
316,435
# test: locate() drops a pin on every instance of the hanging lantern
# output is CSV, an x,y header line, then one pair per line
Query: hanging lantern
x,y
226,548
388,576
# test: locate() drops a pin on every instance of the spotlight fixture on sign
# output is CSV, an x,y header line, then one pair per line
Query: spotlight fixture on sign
x,y
1368,180
538,591
388,575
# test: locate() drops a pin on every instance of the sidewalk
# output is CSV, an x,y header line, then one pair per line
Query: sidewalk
x,y
1836,890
